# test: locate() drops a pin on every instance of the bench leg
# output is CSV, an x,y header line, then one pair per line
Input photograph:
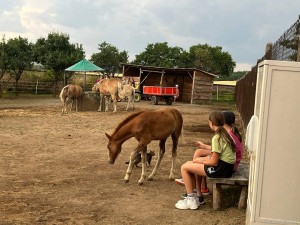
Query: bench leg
x,y
243,198
217,196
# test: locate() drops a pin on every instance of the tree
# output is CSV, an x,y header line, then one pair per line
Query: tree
x,y
56,53
3,61
3,58
109,58
19,56
161,55
212,59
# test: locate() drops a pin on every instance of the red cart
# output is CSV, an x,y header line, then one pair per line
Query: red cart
x,y
157,93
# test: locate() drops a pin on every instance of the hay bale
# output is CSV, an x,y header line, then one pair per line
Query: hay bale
x,y
89,101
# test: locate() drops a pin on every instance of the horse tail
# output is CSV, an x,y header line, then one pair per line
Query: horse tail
x,y
179,120
61,95
181,137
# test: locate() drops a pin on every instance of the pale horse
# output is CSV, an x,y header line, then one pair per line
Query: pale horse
x,y
127,90
108,89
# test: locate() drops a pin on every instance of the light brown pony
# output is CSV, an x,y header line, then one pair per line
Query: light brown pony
x,y
127,90
146,126
108,88
68,94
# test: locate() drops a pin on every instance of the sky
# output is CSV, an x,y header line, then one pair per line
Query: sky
x,y
241,27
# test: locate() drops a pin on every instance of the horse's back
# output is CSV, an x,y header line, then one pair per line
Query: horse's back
x,y
109,86
74,91
160,121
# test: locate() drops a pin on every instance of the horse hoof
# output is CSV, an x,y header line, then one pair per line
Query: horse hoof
x,y
150,178
140,183
126,181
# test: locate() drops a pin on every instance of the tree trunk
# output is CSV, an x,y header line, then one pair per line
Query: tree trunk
x,y
16,88
54,89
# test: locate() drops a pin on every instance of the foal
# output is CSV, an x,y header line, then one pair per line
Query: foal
x,y
68,93
146,126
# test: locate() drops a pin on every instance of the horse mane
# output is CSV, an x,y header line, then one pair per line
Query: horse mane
x,y
129,118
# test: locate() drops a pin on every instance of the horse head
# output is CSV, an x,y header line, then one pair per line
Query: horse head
x,y
114,149
95,88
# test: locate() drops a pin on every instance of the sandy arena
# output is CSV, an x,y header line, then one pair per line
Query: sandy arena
x,y
54,170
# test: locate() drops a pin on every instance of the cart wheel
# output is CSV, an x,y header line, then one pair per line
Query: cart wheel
x,y
137,97
169,100
154,100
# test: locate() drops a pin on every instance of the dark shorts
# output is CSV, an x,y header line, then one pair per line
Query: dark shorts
x,y
223,170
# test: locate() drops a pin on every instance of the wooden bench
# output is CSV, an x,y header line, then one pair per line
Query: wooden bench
x,y
241,177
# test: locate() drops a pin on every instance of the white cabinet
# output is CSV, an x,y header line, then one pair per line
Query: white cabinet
x,y
273,137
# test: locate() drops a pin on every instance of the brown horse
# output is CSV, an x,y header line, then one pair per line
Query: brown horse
x,y
146,126
108,88
68,94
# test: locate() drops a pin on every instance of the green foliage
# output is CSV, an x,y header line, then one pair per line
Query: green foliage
x,y
223,97
212,59
204,57
294,42
19,56
56,53
161,55
109,58
233,76
3,58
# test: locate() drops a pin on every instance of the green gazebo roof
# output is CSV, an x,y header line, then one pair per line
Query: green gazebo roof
x,y
84,65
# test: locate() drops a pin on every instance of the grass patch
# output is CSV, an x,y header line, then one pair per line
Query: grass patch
x,y
223,97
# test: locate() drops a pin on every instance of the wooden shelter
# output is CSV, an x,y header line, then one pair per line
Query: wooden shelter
x,y
195,86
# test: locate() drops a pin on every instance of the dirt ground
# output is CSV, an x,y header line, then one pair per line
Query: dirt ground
x,y
54,170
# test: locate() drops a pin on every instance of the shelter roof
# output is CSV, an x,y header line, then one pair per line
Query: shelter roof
x,y
226,82
84,65
160,69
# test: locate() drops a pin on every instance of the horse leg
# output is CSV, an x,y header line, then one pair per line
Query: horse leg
x,y
63,108
161,153
128,102
76,101
174,154
71,105
114,103
100,106
132,99
107,100
143,159
131,160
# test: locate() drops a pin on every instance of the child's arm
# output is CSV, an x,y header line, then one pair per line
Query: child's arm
x,y
213,161
201,145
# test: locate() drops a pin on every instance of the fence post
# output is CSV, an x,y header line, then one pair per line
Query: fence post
x,y
268,51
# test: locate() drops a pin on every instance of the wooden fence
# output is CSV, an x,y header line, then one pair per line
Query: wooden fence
x,y
35,87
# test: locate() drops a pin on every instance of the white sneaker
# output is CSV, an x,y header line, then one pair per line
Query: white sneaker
x,y
187,203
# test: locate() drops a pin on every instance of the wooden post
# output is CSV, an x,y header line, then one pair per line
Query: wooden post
x,y
243,198
217,196
298,52
268,51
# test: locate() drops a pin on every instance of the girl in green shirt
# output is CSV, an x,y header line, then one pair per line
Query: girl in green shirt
x,y
219,165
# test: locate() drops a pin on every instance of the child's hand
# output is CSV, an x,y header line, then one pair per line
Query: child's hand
x,y
197,160
199,144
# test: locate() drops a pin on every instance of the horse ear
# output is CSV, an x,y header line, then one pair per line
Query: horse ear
x,y
108,136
